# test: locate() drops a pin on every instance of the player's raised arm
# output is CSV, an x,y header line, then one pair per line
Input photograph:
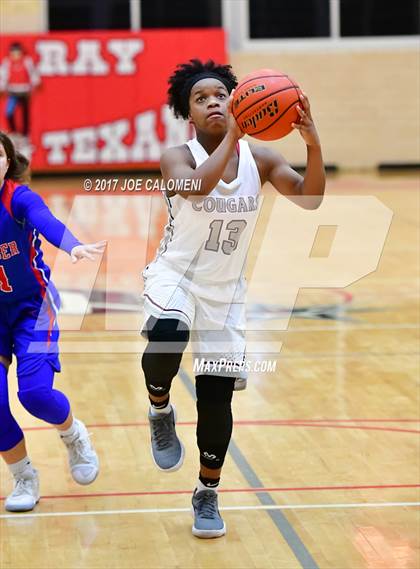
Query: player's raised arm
x,y
306,191
313,183
31,207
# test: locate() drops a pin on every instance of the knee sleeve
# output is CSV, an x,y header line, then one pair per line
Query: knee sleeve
x,y
40,399
10,432
214,424
168,339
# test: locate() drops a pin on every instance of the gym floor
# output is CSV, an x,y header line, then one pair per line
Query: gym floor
x,y
323,469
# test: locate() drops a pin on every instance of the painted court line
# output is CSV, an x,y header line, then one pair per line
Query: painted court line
x,y
253,490
279,519
239,422
295,423
346,355
350,327
344,327
226,509
351,427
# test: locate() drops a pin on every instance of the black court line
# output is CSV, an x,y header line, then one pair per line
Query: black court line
x,y
285,528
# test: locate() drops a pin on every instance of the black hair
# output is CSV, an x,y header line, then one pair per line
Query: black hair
x,y
16,46
18,165
178,94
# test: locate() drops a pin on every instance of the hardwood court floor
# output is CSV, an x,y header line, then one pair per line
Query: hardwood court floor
x,y
323,471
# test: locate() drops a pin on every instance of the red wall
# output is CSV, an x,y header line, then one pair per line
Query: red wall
x,y
101,102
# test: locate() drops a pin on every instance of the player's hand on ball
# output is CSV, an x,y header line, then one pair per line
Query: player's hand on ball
x,y
232,125
306,125
87,251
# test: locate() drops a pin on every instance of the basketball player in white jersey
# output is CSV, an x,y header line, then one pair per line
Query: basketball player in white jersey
x,y
195,288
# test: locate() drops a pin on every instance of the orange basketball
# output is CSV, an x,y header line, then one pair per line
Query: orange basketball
x,y
264,104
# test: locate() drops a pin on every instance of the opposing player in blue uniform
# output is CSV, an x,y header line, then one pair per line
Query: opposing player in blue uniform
x,y
28,329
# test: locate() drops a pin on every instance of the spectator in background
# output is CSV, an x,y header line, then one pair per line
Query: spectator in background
x,y
18,78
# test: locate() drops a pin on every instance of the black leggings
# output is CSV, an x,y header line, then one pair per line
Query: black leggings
x,y
161,359
168,339
214,423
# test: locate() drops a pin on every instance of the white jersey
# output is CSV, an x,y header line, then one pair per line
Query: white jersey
x,y
207,237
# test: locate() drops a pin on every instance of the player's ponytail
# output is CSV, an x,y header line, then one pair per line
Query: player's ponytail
x,y
20,172
19,164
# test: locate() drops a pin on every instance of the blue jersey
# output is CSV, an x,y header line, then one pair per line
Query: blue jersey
x,y
23,214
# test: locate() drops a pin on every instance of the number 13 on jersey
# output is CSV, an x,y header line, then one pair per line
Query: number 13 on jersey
x,y
235,228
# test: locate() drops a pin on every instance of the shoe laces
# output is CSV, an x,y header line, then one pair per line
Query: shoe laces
x,y
80,449
22,487
163,431
207,504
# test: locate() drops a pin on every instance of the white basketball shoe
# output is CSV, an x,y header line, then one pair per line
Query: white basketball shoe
x,y
83,460
25,494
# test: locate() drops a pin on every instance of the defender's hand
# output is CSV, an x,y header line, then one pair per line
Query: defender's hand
x,y
87,251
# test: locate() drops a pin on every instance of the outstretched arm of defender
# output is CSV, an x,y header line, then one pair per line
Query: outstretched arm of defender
x,y
31,207
88,251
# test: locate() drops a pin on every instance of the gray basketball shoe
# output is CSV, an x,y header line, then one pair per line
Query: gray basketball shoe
x,y
207,520
167,450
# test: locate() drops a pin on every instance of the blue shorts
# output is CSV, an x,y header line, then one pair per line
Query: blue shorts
x,y
29,329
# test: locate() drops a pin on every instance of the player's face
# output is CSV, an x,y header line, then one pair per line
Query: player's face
x,y
208,106
15,54
4,163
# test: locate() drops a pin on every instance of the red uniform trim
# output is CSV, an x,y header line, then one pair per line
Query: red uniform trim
x,y
52,316
7,194
35,270
43,286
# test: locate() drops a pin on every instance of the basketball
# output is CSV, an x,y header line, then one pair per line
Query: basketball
x,y
264,104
